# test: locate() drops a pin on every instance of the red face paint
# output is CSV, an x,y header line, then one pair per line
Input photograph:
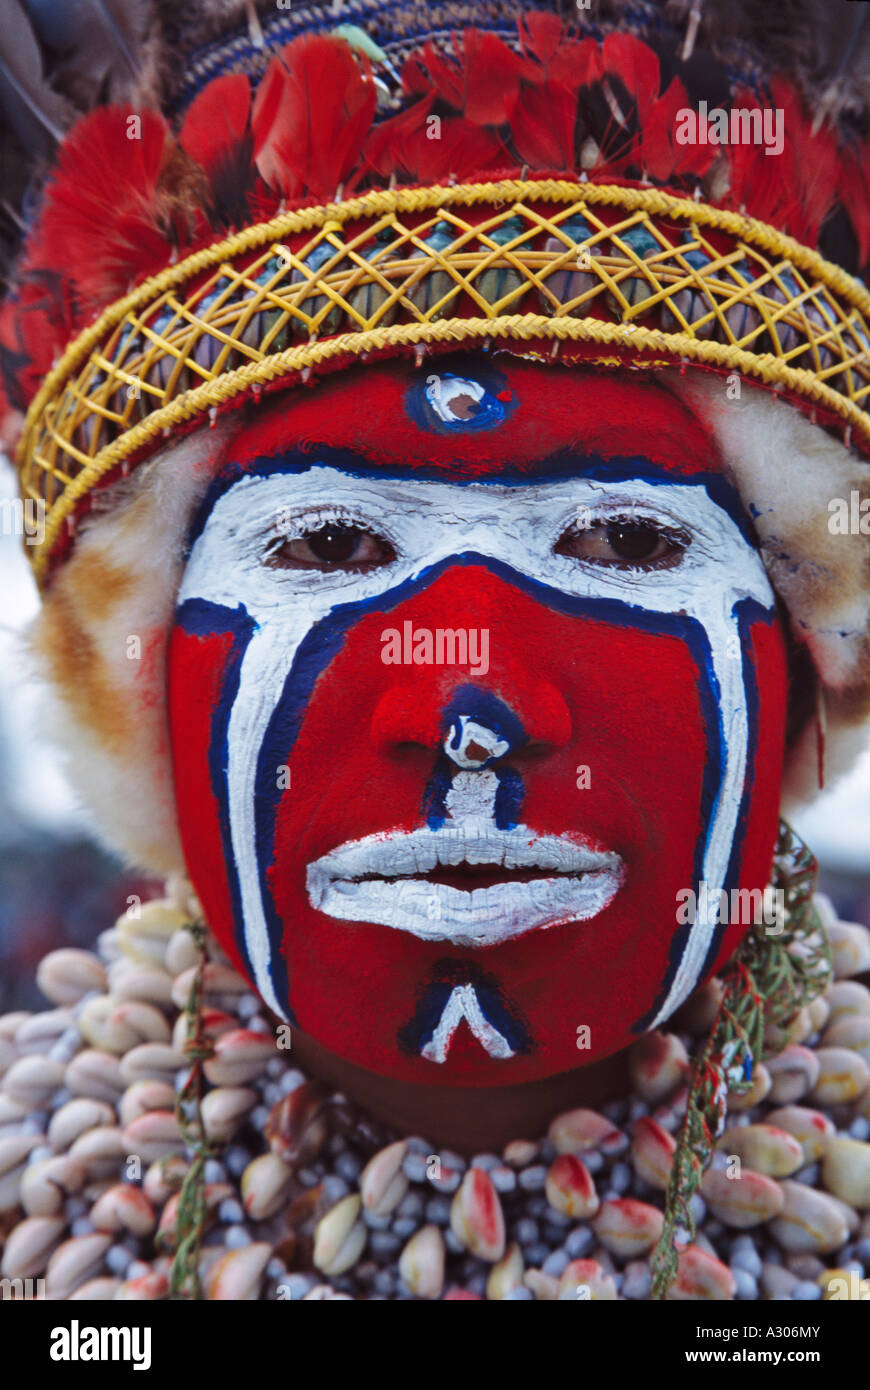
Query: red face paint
x,y
602,722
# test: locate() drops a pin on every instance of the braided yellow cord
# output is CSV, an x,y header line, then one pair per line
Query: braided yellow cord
x,y
178,348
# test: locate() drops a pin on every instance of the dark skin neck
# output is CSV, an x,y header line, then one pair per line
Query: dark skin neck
x,y
468,1119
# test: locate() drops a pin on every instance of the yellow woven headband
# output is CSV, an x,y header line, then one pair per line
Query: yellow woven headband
x,y
600,265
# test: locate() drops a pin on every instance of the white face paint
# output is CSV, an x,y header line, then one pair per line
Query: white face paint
x,y
425,522
463,1003
341,883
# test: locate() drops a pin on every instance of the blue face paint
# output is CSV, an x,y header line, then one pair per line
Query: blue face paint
x,y
200,618
471,706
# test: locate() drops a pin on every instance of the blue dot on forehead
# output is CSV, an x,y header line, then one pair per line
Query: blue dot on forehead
x,y
447,402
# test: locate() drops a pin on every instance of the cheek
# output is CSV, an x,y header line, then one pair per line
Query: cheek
x,y
196,679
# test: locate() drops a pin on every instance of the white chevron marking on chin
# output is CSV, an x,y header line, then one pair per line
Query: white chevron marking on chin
x,y
464,1004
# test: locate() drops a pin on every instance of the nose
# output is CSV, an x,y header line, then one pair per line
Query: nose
x,y
480,728
476,719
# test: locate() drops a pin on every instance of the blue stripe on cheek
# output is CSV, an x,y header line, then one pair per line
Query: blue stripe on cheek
x,y
747,611
711,714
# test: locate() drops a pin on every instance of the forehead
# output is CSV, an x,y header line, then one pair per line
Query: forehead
x,y
472,417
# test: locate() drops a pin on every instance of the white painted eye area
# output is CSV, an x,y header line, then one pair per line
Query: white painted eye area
x,y
625,542
329,545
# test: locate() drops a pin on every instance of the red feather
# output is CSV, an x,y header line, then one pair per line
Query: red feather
x,y
793,190
814,160
755,179
217,134
266,109
542,118
444,76
635,64
217,121
312,113
574,64
392,146
464,149
660,155
540,35
402,146
104,221
415,79
492,77
36,323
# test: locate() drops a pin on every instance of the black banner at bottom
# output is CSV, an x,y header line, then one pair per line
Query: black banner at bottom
x,y
250,1340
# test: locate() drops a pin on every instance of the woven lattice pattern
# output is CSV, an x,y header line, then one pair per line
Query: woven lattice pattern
x,y
658,276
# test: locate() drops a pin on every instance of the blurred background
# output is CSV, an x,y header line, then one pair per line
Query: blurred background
x,y
58,886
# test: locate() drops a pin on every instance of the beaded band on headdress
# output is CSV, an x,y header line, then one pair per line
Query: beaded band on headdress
x,y
601,266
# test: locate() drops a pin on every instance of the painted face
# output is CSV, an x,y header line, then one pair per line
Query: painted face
x,y
477,698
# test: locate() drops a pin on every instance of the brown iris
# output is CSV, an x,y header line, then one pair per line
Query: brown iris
x,y
335,545
625,543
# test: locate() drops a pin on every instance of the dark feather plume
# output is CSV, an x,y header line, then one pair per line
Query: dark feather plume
x,y
823,46
104,50
34,112
217,134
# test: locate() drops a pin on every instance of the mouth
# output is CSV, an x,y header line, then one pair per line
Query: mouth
x,y
468,883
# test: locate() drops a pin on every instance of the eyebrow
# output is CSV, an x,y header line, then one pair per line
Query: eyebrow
x,y
557,467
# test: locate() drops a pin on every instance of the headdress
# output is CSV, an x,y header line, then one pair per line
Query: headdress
x,y
409,183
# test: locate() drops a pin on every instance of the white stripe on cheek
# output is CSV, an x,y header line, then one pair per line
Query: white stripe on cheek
x,y
261,679
719,626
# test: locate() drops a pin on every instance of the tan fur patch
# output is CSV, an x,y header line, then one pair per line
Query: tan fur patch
x,y
74,663
108,706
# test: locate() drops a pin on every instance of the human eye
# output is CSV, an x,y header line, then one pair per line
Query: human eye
x,y
627,540
327,541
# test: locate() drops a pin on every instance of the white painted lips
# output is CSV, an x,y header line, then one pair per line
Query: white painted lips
x,y
381,879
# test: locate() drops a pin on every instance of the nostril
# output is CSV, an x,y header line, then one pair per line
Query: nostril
x,y
538,748
404,721
476,750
